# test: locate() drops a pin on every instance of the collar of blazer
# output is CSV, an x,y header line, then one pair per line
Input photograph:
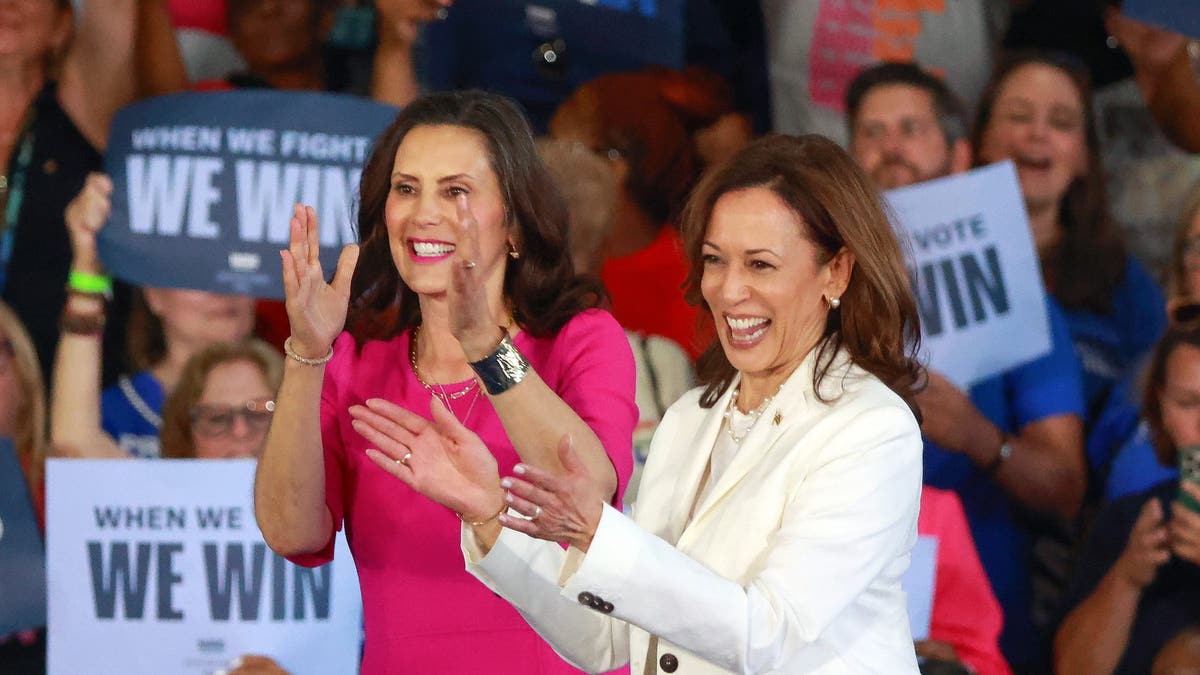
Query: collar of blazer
x,y
795,403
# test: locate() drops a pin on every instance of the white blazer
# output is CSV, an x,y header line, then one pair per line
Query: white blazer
x,y
791,564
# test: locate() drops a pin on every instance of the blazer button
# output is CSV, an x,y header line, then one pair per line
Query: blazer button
x,y
668,663
606,607
586,598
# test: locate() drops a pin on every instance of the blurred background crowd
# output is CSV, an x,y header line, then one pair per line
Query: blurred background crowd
x,y
1067,542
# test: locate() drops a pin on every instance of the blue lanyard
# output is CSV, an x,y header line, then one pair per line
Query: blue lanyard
x,y
12,205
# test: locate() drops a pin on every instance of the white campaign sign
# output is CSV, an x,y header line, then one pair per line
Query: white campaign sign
x,y
159,567
976,273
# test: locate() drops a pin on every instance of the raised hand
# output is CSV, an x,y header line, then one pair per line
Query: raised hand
x,y
471,318
85,215
443,461
316,309
564,509
1147,549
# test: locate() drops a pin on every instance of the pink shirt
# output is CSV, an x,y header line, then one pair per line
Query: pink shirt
x,y
423,612
965,613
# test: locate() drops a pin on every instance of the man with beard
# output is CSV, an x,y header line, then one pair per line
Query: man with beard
x,y
1014,442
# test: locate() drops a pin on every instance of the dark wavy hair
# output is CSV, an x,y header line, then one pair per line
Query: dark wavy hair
x,y
838,206
1177,335
541,286
1089,262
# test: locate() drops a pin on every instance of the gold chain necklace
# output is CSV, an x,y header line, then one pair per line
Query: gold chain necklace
x,y
440,391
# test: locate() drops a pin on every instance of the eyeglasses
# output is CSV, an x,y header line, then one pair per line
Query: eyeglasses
x,y
217,420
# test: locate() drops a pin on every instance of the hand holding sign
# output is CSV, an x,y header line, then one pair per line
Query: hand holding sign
x,y
85,215
471,319
316,309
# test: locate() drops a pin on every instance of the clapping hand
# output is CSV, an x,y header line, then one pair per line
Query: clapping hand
x,y
316,309
442,460
471,319
564,508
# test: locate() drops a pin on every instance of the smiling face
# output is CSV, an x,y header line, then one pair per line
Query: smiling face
x,y
1038,121
765,282
434,167
200,318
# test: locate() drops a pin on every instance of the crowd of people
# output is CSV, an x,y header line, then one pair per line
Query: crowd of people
x,y
628,380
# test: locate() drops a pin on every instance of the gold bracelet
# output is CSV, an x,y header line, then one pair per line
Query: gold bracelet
x,y
503,508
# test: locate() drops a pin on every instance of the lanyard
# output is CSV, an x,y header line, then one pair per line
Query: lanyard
x,y
12,203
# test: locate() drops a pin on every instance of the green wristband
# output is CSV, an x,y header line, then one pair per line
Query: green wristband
x,y
90,284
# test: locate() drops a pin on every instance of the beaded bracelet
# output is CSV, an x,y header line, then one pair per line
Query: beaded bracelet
x,y
291,354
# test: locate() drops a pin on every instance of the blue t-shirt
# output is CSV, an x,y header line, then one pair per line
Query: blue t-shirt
x,y
131,412
1046,387
1121,459
1111,346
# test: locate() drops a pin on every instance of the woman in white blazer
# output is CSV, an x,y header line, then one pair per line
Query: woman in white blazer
x,y
779,501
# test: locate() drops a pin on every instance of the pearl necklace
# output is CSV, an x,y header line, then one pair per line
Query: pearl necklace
x,y
753,414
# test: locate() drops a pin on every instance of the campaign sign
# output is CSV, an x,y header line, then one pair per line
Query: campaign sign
x,y
157,566
1179,16
919,582
975,273
204,184
22,555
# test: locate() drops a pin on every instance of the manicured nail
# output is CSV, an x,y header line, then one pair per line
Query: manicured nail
x,y
508,497
506,483
519,469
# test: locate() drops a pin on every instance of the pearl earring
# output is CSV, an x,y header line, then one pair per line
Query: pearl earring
x,y
834,303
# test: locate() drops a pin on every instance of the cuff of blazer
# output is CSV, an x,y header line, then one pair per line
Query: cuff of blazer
x,y
603,571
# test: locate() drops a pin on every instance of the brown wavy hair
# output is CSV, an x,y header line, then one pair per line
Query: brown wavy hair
x,y
877,323
541,286
176,434
1156,379
1089,262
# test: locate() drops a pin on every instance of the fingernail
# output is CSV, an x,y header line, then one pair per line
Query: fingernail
x,y
508,497
503,519
519,469
506,483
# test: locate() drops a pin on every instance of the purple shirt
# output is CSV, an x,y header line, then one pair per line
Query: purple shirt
x,y
423,612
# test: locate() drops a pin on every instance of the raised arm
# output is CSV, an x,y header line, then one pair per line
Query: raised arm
x,y
95,81
289,487
393,77
75,427
534,416
160,68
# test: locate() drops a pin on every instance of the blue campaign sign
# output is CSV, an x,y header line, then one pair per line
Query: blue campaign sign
x,y
22,553
1180,16
204,184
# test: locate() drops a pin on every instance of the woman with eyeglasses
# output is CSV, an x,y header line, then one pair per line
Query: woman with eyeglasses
x,y
223,403
167,327
1137,583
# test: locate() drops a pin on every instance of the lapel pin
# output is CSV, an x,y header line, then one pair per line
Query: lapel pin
x,y
778,417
